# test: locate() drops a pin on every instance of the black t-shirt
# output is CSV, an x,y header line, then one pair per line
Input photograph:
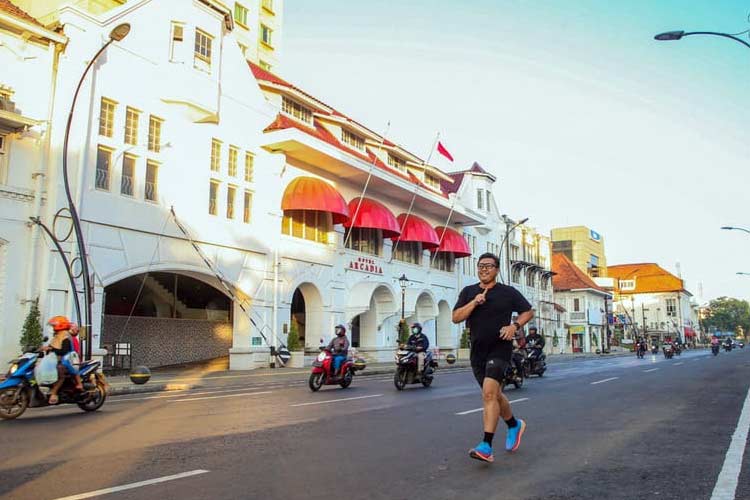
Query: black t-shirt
x,y
487,319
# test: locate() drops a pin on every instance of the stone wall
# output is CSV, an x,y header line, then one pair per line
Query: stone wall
x,y
164,341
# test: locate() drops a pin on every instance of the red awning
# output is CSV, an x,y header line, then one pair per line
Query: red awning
x,y
417,229
452,242
309,193
689,332
374,215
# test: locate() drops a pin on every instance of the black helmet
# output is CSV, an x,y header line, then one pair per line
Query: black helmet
x,y
533,329
340,330
416,326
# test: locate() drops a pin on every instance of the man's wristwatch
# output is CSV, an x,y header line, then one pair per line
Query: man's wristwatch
x,y
517,325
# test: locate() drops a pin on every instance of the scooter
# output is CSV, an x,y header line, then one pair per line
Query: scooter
x,y
668,351
535,362
640,350
406,367
654,349
514,374
715,349
20,391
322,371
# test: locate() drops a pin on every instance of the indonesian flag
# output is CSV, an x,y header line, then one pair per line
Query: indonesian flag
x,y
441,149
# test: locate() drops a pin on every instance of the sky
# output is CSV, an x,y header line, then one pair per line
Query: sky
x,y
581,115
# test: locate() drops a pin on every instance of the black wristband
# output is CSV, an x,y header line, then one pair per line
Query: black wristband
x,y
517,325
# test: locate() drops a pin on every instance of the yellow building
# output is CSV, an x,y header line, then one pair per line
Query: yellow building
x,y
583,246
257,22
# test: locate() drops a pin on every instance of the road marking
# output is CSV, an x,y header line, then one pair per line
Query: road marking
x,y
605,380
651,370
726,483
133,485
224,396
336,400
180,395
678,364
480,409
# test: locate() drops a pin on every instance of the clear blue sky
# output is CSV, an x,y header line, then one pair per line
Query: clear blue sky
x,y
583,117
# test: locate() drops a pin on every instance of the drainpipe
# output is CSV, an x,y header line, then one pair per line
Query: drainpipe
x,y
32,288
275,313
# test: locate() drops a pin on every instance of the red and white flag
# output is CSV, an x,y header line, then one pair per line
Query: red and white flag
x,y
441,149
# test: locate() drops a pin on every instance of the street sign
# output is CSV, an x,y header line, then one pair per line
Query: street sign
x,y
284,355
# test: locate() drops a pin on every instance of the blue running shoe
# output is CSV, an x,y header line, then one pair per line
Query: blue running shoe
x,y
513,439
482,452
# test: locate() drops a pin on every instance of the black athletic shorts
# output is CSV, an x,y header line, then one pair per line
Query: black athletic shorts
x,y
493,366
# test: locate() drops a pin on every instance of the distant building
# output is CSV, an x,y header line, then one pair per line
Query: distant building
x,y
583,246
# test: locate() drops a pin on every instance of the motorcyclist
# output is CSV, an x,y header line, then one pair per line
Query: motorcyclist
x,y
535,342
420,342
641,345
714,340
339,347
728,343
62,346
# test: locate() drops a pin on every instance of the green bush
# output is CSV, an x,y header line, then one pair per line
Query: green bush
x,y
292,339
555,340
464,343
32,336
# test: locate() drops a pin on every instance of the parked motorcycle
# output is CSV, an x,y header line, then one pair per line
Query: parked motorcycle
x,y
715,349
20,391
406,367
668,350
534,362
322,371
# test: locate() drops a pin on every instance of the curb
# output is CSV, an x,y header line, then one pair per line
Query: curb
x,y
140,389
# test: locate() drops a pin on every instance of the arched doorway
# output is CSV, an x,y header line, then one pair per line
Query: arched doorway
x,y
444,327
307,311
167,318
355,338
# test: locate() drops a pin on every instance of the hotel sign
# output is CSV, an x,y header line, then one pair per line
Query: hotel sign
x,y
365,265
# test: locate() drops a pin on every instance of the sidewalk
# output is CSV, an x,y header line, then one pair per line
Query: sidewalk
x,y
193,377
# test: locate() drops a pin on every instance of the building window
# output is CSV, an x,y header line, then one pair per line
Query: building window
x,y
516,275
531,279
154,133
513,252
151,189
671,308
264,65
408,251
268,5
103,167
249,161
231,191
444,261
627,284
131,126
233,155
308,224
432,181
480,199
247,210
213,192
128,172
106,117
576,305
397,163
240,14
215,155
489,197
297,110
178,36
202,51
266,34
354,140
365,240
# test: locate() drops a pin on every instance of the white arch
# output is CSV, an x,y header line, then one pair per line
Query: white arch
x,y
314,326
444,327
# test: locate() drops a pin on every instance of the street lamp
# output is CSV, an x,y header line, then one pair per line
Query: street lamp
x,y
118,33
678,35
404,282
506,244
732,228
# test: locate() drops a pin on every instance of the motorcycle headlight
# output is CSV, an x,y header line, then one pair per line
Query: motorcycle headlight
x,y
322,357
13,368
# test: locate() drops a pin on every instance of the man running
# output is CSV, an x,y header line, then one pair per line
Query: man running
x,y
487,308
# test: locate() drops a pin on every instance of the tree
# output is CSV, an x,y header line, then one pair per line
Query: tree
x,y
728,314
403,331
292,339
32,337
465,339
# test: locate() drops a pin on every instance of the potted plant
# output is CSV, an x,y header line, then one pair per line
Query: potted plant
x,y
32,337
295,349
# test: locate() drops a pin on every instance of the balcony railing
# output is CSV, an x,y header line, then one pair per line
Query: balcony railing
x,y
578,316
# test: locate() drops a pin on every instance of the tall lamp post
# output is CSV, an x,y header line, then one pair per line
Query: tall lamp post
x,y
743,274
404,282
678,35
732,228
506,244
118,33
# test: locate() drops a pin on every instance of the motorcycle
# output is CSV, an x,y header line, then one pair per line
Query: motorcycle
x,y
727,347
534,362
20,391
668,351
514,374
677,349
715,349
406,367
654,349
322,371
640,350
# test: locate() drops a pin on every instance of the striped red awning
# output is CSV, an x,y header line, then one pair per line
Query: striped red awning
x,y
309,193
373,215
452,242
416,229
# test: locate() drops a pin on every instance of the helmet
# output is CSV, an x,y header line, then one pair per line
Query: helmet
x,y
59,323
533,329
417,327
340,330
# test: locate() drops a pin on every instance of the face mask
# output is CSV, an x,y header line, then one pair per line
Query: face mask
x,y
415,330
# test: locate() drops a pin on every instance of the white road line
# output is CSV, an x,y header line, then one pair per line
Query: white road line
x,y
133,485
651,370
726,483
181,395
605,380
480,409
336,400
678,364
224,396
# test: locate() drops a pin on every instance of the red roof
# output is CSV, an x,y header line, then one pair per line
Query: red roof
x,y
568,277
458,177
13,10
648,276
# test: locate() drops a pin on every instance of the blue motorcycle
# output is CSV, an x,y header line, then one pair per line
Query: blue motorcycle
x,y
20,391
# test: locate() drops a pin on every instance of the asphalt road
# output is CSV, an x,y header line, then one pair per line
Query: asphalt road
x,y
605,428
